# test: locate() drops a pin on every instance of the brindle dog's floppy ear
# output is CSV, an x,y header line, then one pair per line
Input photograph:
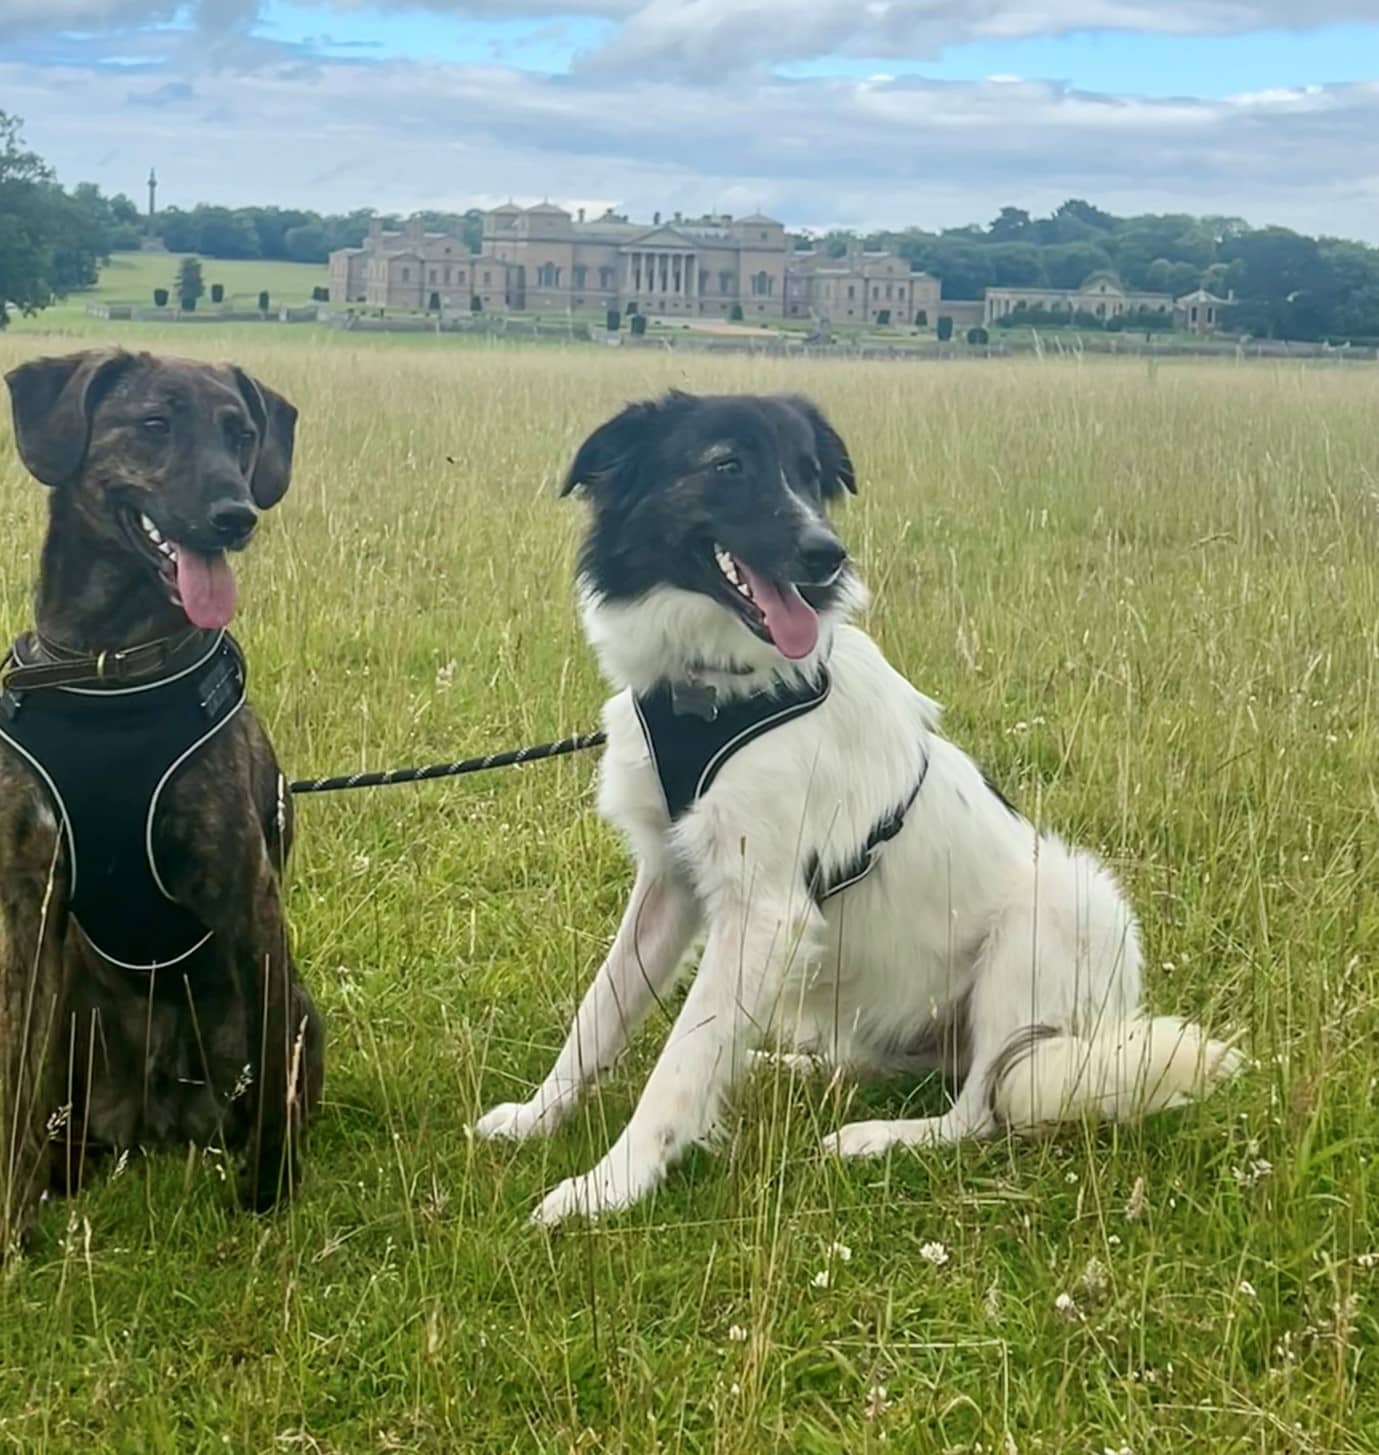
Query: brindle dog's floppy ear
x,y
276,421
836,472
52,400
611,444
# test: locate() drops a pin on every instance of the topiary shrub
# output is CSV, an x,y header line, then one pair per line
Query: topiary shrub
x,y
263,301
638,325
160,297
217,293
735,313
945,329
614,320
978,337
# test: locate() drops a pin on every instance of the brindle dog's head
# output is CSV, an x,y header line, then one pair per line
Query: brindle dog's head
x,y
724,496
166,459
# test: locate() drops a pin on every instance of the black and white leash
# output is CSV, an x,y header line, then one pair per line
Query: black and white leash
x,y
511,759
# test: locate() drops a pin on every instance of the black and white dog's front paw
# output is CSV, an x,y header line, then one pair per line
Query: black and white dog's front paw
x,y
612,1185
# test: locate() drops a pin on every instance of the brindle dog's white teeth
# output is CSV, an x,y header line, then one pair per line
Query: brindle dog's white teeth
x,y
151,530
166,548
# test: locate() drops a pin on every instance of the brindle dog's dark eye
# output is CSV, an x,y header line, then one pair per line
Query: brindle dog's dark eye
x,y
247,437
155,424
731,466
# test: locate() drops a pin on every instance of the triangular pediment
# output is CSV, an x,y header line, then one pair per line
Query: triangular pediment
x,y
663,237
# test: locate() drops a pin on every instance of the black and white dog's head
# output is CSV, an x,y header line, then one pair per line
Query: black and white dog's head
x,y
708,543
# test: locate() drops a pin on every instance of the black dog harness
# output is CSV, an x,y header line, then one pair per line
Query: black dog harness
x,y
690,736
105,754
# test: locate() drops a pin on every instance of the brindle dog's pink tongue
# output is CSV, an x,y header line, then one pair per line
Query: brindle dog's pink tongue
x,y
790,620
206,585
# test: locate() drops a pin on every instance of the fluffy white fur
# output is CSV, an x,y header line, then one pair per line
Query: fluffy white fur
x,y
976,945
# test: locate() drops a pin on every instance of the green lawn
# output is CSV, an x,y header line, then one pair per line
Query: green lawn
x,y
1148,596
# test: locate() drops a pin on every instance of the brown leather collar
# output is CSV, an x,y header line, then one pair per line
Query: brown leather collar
x,y
35,662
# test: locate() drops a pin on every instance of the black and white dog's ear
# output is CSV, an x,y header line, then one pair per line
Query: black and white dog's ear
x,y
53,400
611,445
836,472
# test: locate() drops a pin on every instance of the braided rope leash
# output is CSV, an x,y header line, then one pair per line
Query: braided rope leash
x,y
511,759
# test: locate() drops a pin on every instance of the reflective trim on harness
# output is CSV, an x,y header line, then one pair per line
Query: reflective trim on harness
x,y
689,746
105,757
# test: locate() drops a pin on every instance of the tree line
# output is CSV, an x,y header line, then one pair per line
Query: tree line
x,y
1286,284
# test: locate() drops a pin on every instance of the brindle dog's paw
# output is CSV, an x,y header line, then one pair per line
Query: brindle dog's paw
x,y
261,1188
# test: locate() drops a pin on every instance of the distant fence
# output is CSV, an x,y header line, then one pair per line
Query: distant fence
x,y
1062,343
141,313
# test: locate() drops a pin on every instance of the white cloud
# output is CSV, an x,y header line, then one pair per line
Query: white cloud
x,y
398,136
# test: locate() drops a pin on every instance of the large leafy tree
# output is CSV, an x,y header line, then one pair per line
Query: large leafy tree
x,y
51,242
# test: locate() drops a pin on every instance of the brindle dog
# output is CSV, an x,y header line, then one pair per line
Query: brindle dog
x,y
157,466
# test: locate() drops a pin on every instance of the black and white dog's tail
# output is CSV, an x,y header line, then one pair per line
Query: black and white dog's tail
x,y
1120,1071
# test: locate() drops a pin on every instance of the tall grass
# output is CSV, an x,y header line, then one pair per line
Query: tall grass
x,y
1149,598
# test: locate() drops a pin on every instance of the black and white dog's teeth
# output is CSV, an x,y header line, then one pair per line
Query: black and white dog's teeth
x,y
728,566
156,536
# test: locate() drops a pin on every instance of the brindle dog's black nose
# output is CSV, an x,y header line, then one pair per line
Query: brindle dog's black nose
x,y
821,558
233,521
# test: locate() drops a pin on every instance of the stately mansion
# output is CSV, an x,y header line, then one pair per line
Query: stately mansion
x,y
542,259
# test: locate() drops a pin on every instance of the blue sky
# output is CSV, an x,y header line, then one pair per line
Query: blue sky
x,y
863,112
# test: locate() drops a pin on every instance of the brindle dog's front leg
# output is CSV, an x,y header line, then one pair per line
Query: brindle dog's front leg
x,y
33,891
287,1047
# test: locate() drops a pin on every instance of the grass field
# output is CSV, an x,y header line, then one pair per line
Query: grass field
x,y
132,277
1149,599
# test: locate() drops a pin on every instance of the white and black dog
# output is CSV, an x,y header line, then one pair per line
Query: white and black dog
x,y
865,897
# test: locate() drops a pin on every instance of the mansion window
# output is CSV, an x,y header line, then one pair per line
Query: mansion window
x,y
761,285
580,274
548,276
406,275
605,278
725,283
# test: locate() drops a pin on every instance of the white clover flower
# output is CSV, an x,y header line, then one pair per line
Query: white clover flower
x,y
934,1253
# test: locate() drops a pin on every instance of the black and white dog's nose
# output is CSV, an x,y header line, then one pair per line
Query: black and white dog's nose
x,y
821,558
233,521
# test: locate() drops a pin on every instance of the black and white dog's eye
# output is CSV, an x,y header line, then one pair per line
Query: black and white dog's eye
x,y
731,466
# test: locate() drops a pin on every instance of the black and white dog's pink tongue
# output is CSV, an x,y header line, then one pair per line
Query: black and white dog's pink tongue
x,y
790,620
206,585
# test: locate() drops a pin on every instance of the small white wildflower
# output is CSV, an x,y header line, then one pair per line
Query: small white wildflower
x,y
877,1403
1113,1241
1255,1173
1065,1306
58,1121
1368,1260
445,676
1134,1208
841,1252
735,1388
821,1278
991,1304
1070,1177
737,1334
1246,1289
1094,1281
243,1082
934,1253
1169,966
360,864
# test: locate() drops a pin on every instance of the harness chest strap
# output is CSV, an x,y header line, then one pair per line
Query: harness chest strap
x,y
691,736
105,755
